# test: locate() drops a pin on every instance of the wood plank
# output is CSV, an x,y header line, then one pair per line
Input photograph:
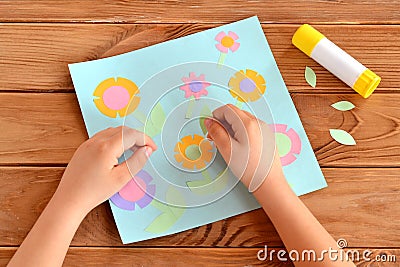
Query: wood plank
x,y
198,257
40,128
47,128
358,205
178,11
373,124
37,57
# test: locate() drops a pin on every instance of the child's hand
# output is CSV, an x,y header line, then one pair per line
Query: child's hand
x,y
246,144
93,174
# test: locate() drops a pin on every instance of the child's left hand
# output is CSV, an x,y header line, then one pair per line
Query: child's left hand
x,y
94,175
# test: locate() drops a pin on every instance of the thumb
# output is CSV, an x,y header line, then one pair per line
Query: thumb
x,y
130,167
220,136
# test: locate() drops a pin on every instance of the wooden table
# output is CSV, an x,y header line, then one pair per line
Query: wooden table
x,y
41,124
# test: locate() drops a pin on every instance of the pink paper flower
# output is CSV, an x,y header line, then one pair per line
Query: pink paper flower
x,y
227,41
137,192
195,86
288,143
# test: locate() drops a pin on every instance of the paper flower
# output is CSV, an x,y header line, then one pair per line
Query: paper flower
x,y
247,86
227,42
116,97
138,191
288,143
195,86
193,152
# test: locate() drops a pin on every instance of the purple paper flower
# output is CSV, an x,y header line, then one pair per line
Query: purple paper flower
x,y
138,191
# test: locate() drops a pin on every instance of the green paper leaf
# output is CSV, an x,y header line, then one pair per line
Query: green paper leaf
x,y
343,105
207,185
170,214
140,116
204,113
310,76
157,116
159,205
200,187
222,181
161,224
151,130
153,126
342,137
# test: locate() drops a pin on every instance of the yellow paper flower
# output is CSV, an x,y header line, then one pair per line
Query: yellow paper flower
x,y
247,86
193,152
116,96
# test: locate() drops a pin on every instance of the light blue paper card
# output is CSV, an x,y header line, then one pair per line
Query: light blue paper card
x,y
167,90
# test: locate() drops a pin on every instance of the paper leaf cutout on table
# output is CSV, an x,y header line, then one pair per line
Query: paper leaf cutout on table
x,y
171,212
342,137
310,77
343,105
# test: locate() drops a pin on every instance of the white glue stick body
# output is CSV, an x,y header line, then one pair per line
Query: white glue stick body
x,y
334,59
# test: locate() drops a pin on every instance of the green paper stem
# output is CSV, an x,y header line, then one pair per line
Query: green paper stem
x,y
205,113
221,59
238,103
191,104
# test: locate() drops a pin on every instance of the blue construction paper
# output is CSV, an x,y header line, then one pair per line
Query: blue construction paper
x,y
143,67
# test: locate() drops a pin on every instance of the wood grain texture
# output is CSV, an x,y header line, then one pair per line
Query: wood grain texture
x,y
359,205
178,11
193,257
37,57
47,128
41,124
41,127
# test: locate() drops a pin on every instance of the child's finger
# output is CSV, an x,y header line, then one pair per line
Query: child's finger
x,y
129,168
221,138
236,119
106,133
127,138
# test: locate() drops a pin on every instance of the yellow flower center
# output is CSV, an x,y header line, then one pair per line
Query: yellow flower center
x,y
227,41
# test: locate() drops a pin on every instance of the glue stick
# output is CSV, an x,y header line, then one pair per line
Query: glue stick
x,y
334,59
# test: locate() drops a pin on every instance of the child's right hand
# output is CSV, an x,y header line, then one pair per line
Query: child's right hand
x,y
94,175
246,143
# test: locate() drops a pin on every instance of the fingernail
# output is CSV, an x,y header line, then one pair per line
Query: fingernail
x,y
148,151
207,122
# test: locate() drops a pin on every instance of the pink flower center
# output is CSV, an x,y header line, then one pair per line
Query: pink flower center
x,y
133,190
247,85
116,97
